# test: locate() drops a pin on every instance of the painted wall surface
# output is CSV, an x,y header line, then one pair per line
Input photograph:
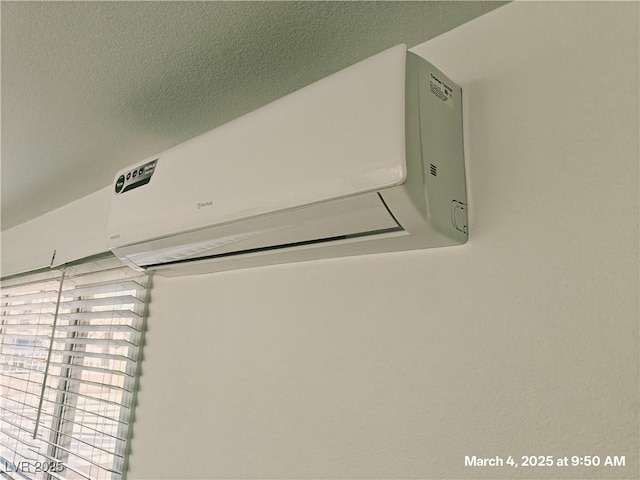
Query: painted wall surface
x,y
522,342
72,232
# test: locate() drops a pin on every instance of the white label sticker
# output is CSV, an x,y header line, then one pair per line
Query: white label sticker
x,y
441,90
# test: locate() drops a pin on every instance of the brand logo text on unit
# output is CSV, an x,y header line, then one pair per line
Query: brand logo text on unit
x,y
205,204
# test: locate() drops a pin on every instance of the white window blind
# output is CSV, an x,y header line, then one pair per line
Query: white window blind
x,y
70,345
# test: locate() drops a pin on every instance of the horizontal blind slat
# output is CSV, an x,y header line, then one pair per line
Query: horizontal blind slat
x,y
18,426
101,302
29,307
88,397
85,411
109,286
23,297
15,388
45,316
80,381
31,347
6,446
92,413
28,380
20,413
106,314
34,282
105,371
98,328
96,355
89,427
25,331
81,276
91,445
77,472
18,355
96,341
18,439
27,334
46,425
75,454
91,327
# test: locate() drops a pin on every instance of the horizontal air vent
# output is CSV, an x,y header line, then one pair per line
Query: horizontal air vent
x,y
281,247
336,220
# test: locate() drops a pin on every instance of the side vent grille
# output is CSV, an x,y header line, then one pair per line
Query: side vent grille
x,y
434,170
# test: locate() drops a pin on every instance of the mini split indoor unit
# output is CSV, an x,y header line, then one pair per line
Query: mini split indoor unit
x,y
367,160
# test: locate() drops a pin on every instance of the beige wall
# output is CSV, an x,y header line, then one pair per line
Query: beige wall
x,y
522,342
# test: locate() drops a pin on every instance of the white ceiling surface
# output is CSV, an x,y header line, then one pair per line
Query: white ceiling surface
x,y
92,87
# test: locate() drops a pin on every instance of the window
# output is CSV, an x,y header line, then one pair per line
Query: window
x,y
70,344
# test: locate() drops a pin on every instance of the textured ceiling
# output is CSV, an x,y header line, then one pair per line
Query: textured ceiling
x,y
91,87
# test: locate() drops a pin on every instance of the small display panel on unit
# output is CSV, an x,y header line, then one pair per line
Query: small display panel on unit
x,y
137,177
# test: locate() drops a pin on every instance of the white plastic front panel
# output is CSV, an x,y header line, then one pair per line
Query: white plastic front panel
x,y
340,136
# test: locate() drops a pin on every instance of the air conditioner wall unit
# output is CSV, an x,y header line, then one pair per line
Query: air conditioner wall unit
x,y
367,160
